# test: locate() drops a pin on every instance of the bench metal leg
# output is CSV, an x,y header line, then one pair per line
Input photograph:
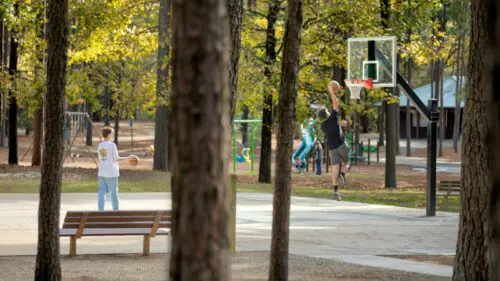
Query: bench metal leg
x,y
72,246
145,250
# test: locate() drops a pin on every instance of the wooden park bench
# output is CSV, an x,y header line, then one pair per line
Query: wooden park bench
x,y
449,188
115,223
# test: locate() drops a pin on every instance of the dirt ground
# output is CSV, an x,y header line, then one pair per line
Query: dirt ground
x,y
245,267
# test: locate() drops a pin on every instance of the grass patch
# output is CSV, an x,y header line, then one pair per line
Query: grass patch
x,y
84,186
402,198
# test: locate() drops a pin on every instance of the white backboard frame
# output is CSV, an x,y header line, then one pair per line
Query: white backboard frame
x,y
393,71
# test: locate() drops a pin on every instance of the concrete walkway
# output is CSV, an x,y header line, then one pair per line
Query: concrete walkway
x,y
350,232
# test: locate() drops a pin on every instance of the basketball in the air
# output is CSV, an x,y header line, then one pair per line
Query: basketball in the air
x,y
134,161
334,86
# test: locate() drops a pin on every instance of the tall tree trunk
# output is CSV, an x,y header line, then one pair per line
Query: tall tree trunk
x,y
267,111
160,159
493,95
200,140
89,129
3,56
456,123
5,63
235,11
13,160
48,266
107,102
117,127
408,111
244,126
409,77
36,159
397,110
471,259
442,112
278,269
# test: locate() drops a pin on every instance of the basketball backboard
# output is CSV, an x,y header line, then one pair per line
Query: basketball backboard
x,y
372,57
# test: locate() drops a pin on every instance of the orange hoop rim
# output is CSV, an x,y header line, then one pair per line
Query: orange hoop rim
x,y
368,84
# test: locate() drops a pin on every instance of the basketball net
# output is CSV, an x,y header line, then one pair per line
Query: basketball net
x,y
355,87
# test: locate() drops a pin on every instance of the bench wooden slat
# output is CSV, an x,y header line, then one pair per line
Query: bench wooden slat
x,y
117,225
115,213
118,219
112,232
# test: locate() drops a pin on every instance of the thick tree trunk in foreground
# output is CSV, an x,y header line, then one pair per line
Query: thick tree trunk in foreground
x,y
13,159
471,261
200,140
494,140
48,266
235,11
267,111
160,159
278,269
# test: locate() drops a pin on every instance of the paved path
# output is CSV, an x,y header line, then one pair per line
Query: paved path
x,y
350,232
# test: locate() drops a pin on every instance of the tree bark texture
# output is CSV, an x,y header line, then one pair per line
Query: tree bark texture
x,y
458,84
3,65
160,159
200,140
409,66
117,127
244,126
267,111
278,269
107,103
441,110
408,110
494,135
471,261
397,111
90,130
48,267
13,159
36,159
235,11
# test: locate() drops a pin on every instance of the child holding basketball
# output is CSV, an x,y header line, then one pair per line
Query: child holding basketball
x,y
109,170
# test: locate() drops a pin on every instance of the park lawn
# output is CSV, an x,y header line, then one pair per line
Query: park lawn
x,y
411,198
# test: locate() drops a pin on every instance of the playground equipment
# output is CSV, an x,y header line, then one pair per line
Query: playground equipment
x,y
375,58
247,154
307,144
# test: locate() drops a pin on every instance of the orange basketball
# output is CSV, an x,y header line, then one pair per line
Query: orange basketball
x,y
133,161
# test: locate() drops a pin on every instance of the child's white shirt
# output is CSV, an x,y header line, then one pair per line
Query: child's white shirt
x,y
108,160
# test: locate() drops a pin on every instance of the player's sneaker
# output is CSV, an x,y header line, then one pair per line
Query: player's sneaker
x,y
336,196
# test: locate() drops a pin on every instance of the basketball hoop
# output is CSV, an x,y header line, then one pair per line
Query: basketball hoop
x,y
355,87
